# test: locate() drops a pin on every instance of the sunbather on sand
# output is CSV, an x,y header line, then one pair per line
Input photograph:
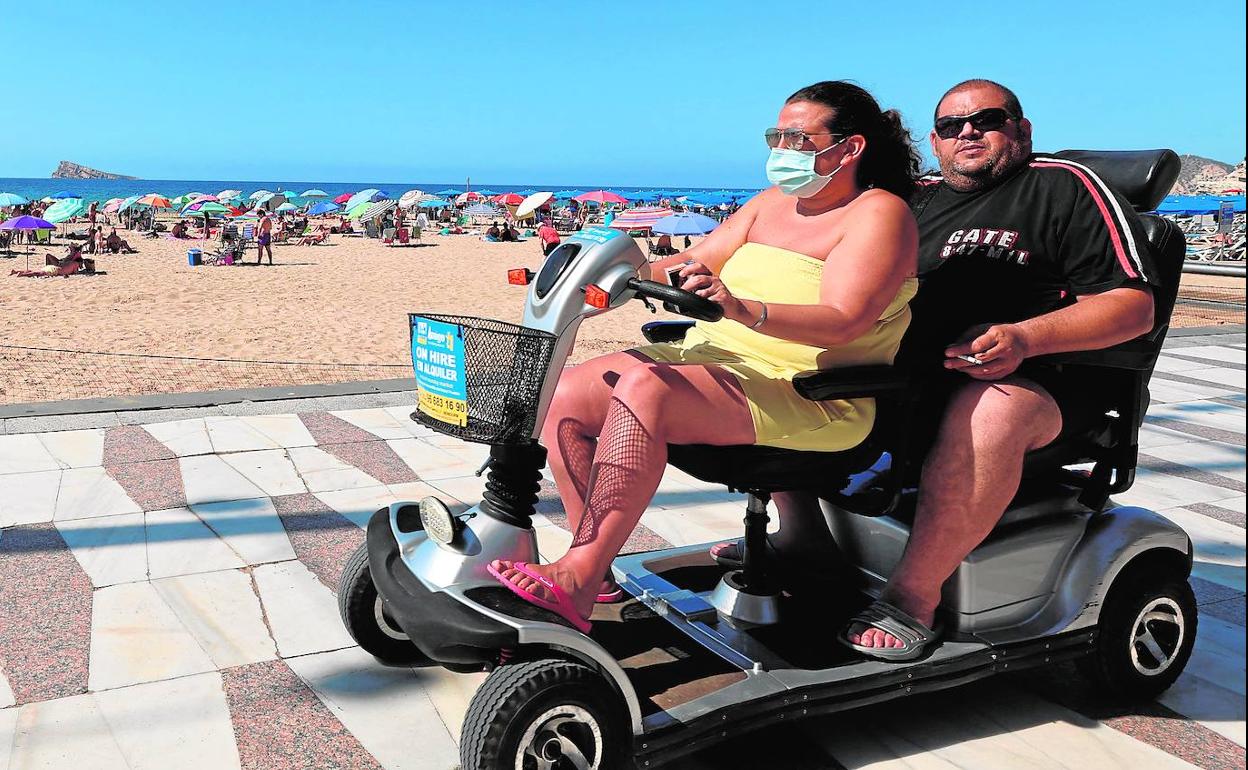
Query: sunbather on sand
x,y
118,245
72,263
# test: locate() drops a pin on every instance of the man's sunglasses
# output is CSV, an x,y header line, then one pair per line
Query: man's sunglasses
x,y
791,138
991,119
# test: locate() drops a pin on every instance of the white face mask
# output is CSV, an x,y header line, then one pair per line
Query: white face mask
x,y
793,171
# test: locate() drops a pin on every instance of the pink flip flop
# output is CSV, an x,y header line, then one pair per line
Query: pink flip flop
x,y
607,595
561,606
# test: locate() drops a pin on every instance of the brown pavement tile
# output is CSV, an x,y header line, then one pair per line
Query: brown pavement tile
x,y
642,538
156,485
45,615
323,539
132,444
375,458
280,723
328,429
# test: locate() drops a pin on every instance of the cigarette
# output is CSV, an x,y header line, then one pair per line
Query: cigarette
x,y
972,360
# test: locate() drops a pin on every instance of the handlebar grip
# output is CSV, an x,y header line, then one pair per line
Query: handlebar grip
x,y
683,302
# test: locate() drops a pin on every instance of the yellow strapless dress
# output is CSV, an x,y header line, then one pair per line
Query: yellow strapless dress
x,y
765,365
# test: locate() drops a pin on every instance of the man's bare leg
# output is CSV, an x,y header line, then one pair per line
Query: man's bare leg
x,y
969,478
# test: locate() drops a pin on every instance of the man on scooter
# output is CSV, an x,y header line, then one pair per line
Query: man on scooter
x,y
1022,255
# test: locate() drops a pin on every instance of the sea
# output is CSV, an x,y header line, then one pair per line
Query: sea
x,y
104,189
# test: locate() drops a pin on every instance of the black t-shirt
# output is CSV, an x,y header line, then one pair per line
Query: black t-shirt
x,y
1022,248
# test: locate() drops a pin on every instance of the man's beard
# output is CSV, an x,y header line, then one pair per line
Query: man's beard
x,y
985,175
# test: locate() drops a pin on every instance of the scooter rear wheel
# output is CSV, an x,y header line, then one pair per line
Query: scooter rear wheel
x,y
1145,635
548,714
364,614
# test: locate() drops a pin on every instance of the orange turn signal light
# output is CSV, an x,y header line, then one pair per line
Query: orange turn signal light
x,y
597,297
519,276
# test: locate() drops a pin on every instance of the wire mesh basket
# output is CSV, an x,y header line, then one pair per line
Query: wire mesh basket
x,y
483,378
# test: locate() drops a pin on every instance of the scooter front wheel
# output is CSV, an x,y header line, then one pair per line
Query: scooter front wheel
x,y
548,714
364,614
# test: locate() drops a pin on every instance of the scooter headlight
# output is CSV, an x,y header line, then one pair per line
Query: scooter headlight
x,y
437,520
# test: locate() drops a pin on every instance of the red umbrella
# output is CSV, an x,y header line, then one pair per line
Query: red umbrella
x,y
600,196
639,219
510,199
343,198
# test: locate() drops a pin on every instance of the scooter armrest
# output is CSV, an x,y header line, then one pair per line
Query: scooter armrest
x,y
666,331
851,382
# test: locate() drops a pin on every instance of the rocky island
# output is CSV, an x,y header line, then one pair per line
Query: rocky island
x,y
68,170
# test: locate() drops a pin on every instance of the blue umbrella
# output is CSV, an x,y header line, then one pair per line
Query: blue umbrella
x,y
12,199
324,207
27,222
449,191
487,192
314,193
365,196
685,223
526,193
569,193
63,195
432,203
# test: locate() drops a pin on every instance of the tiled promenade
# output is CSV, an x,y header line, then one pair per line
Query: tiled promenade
x,y
167,601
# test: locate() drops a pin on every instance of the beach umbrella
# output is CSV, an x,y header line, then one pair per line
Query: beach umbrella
x,y
12,199
525,193
314,194
287,206
27,222
377,208
66,208
258,194
640,218
127,203
467,197
684,223
62,194
449,191
111,205
482,210
199,208
358,211
226,195
433,203
341,200
532,203
509,199
568,194
410,198
155,201
487,193
324,207
364,196
600,196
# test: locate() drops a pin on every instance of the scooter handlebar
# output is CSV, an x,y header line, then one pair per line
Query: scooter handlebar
x,y
678,300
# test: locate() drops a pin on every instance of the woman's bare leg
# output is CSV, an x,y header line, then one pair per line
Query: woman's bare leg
x,y
651,406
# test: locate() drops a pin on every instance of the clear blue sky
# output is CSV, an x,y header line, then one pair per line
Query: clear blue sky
x,y
578,93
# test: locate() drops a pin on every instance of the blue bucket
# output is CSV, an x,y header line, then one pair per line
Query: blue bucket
x,y
194,257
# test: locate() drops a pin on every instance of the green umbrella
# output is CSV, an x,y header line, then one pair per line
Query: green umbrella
x,y
359,210
66,208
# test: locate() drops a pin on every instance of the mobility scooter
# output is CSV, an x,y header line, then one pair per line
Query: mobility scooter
x,y
697,652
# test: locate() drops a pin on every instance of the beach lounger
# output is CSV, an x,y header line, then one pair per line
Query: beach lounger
x,y
388,235
370,229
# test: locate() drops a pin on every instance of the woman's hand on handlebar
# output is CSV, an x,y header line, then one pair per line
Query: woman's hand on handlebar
x,y
698,279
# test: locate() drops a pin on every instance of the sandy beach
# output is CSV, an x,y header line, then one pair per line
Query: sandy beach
x,y
344,303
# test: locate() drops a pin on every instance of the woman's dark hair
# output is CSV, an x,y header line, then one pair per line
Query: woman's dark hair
x,y
890,161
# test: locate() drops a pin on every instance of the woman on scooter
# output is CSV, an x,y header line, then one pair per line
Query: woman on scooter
x,y
813,272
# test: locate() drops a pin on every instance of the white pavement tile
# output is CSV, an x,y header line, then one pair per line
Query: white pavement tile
x,y
28,498
1172,365
23,453
1213,353
1219,546
1206,455
1208,414
250,528
1232,503
427,460
6,698
75,448
403,415
1211,689
178,543
1169,392
1156,490
1152,436
64,734
386,709
286,430
302,612
8,726
450,693
231,434
183,437
996,728
415,490
679,528
136,638
377,421
552,542
464,489
221,610
90,492
208,479
183,723
1219,376
322,471
269,469
358,505
111,549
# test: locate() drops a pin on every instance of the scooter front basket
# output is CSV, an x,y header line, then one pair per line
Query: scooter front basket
x,y
478,379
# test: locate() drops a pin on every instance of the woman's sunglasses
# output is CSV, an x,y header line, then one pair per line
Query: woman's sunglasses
x,y
791,138
991,119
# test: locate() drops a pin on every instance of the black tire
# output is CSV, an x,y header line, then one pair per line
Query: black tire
x,y
548,706
1124,669
364,615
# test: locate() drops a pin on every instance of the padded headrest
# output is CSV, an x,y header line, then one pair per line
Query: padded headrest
x,y
1143,177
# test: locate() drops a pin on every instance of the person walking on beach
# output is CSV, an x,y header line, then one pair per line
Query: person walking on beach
x,y
264,238
549,236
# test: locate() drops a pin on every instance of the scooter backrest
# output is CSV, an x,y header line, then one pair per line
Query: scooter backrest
x,y
1143,177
